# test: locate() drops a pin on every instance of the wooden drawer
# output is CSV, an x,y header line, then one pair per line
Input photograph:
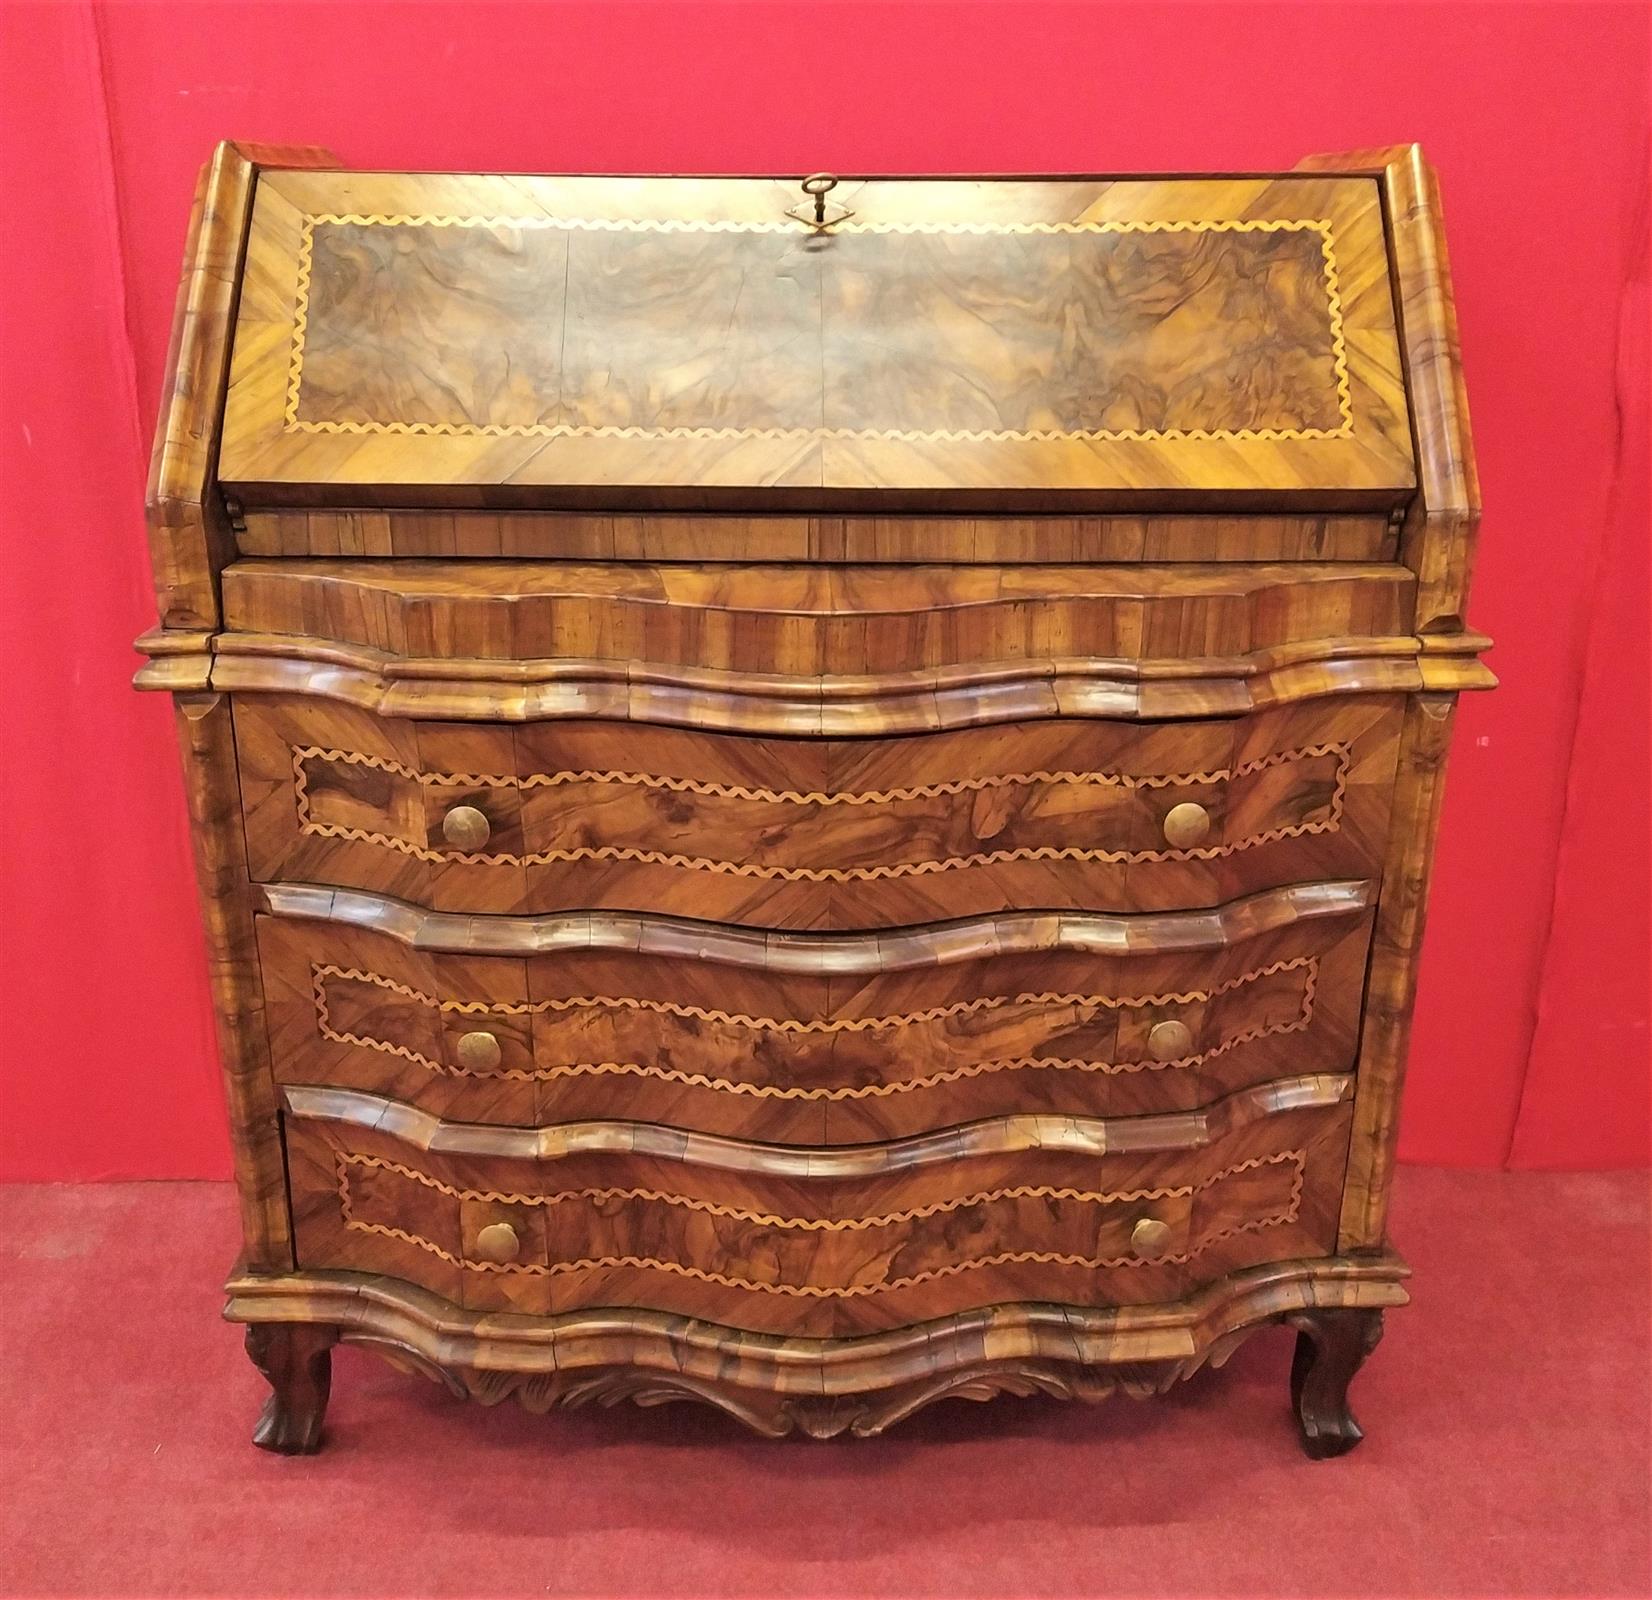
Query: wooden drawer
x,y
778,1239
815,833
829,1039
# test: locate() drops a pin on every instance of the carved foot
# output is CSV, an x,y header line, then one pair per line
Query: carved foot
x,y
296,1358
1331,1345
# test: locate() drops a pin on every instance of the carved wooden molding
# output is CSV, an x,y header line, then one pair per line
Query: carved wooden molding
x,y
1180,1130
816,1417
980,694
899,950
320,972
779,1385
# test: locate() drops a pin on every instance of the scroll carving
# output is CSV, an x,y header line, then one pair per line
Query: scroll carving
x,y
863,1415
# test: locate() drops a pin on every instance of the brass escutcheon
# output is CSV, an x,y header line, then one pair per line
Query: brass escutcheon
x,y
817,186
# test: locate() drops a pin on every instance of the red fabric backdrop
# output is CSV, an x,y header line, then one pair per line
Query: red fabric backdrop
x,y
1531,1036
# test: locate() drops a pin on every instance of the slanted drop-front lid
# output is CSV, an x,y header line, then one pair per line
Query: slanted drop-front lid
x,y
1053,344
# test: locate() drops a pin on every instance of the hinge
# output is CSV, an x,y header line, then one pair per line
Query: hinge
x,y
236,513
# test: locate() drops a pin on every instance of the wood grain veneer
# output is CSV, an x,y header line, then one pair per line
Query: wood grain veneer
x,y
1063,1024
773,1240
679,536
685,335
827,817
820,833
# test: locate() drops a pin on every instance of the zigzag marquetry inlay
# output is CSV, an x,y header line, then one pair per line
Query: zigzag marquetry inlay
x,y
321,973
1296,1158
819,797
292,422
1329,823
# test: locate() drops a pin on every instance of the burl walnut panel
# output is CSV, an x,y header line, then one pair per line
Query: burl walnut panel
x,y
813,811
855,336
459,340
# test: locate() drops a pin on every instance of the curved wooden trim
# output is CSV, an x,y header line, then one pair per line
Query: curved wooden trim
x,y
180,660
1438,538
390,1307
934,944
239,652
820,1387
1182,1130
1450,662
190,539
715,700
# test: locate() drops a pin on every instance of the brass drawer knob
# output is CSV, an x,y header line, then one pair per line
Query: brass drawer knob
x,y
465,828
1186,824
1169,1041
479,1051
498,1242
1150,1238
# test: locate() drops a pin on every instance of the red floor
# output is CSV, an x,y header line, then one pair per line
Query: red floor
x,y
1506,1452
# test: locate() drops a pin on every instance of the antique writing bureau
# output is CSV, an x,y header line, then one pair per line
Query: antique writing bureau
x,y
812,796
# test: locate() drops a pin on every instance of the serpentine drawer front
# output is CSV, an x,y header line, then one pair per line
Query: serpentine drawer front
x,y
815,833
822,792
777,1239
905,1034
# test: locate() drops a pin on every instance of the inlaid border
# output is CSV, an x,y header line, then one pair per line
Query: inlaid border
x,y
1329,823
292,423
320,973
1283,1216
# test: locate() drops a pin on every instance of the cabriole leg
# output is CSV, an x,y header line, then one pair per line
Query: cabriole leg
x,y
1331,1345
296,1358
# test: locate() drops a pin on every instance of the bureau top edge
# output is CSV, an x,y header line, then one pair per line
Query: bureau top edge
x,y
960,346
